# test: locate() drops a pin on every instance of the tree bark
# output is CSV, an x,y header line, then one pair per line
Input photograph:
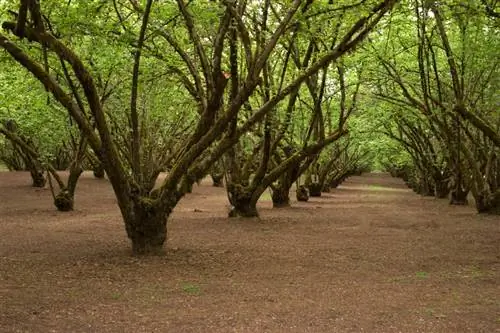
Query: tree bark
x,y
459,197
146,226
488,203
314,189
281,196
302,193
243,201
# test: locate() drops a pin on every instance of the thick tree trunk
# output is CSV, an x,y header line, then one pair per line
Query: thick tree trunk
x,y
146,226
243,201
281,196
217,179
314,189
488,203
425,187
64,201
244,208
302,193
38,177
459,197
99,171
442,188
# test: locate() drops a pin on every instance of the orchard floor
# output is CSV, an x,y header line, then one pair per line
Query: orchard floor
x,y
369,257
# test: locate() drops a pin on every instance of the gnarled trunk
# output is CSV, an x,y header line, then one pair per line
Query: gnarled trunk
x,y
64,201
281,196
244,208
243,201
146,225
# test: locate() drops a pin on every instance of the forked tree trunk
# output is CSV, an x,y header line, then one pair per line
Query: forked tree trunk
x,y
65,199
244,208
243,201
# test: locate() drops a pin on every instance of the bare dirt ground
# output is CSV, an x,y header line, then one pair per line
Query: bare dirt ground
x,y
369,257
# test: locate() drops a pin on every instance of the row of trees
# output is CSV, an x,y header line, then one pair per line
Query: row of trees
x,y
441,82
260,94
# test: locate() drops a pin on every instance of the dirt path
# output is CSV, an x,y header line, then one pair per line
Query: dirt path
x,y
369,257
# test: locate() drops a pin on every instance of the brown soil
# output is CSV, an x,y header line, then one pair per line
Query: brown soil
x,y
369,257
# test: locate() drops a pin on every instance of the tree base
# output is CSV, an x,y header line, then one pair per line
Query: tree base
x,y
99,172
242,201
459,198
141,250
489,204
244,210
302,194
63,201
281,198
314,189
442,190
217,180
38,179
147,227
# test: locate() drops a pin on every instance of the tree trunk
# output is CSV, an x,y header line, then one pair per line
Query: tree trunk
x,y
459,197
425,187
281,196
244,208
99,171
146,226
314,189
64,201
217,179
36,171
38,177
243,201
302,193
442,188
488,203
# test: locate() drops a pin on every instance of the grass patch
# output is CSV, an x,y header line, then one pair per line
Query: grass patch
x,y
422,275
116,296
475,272
191,288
